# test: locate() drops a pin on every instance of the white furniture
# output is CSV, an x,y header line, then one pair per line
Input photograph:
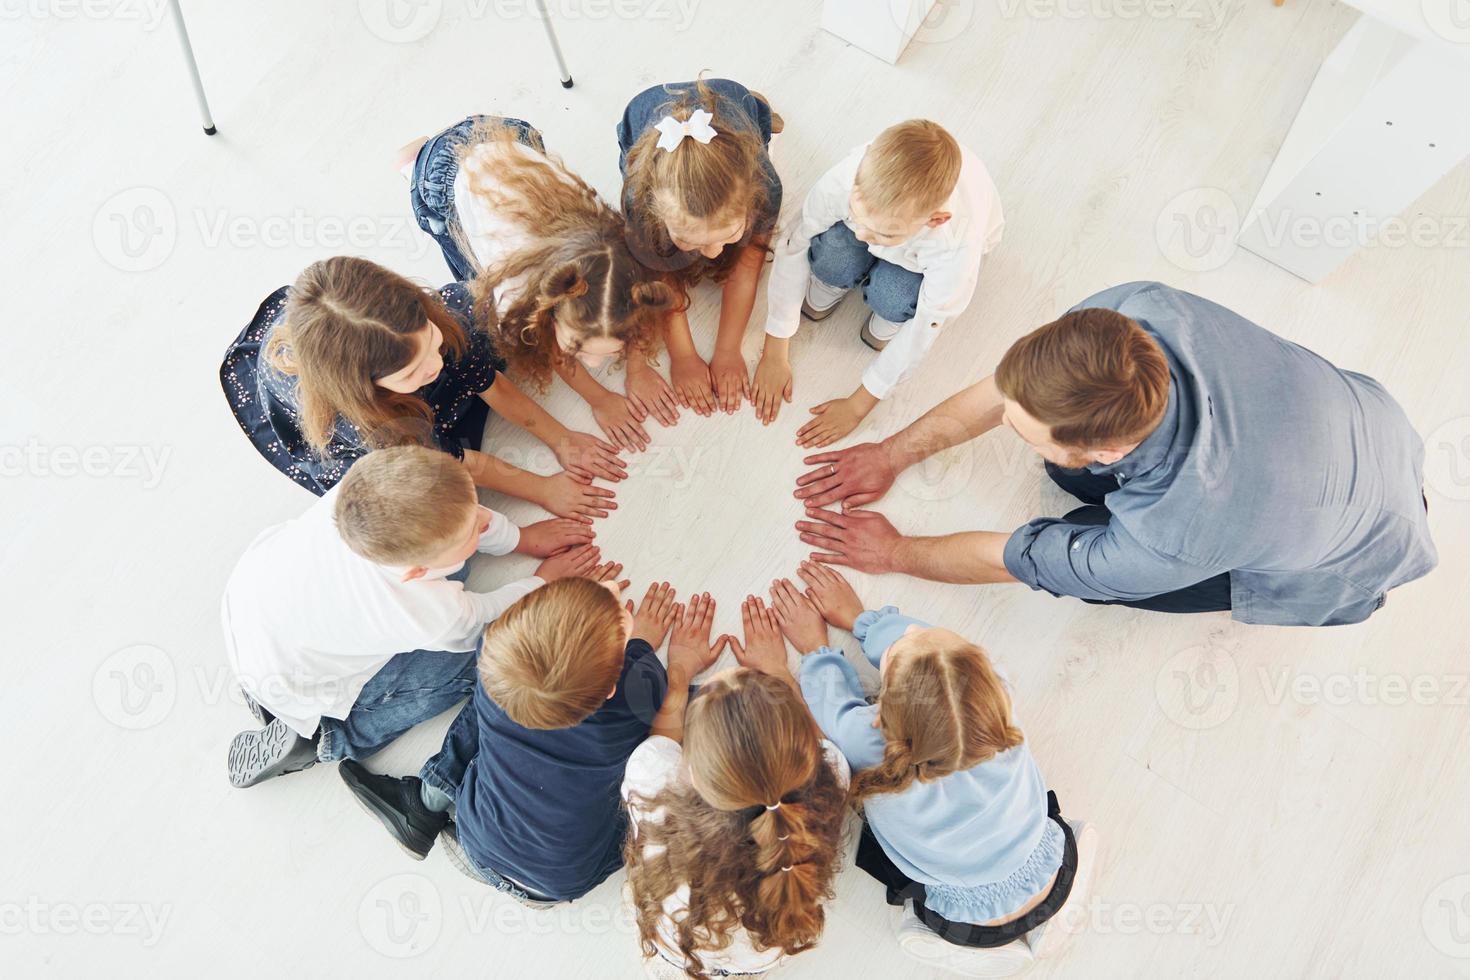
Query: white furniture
x,y
880,27
1386,117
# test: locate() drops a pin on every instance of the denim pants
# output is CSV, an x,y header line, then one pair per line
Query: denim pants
x,y
442,776
431,191
841,261
1210,595
411,688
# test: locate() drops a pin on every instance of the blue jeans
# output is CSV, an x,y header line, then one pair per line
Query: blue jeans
x,y
841,261
431,193
411,688
1210,595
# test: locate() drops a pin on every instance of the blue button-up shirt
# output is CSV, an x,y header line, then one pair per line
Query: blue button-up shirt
x,y
1302,480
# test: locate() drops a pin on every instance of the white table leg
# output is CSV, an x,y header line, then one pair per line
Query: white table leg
x,y
183,32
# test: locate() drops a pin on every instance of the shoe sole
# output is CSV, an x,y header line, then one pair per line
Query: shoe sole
x,y
815,315
392,821
257,756
871,341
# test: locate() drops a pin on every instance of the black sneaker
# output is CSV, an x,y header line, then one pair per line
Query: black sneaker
x,y
274,750
396,802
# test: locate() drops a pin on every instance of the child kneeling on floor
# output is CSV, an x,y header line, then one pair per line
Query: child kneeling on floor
x,y
959,819
908,218
320,610
569,685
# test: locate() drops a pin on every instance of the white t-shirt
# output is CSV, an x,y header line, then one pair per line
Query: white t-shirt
x,y
490,234
947,256
651,767
307,621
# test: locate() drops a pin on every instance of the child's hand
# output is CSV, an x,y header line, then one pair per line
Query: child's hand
x,y
692,383
546,538
731,378
834,419
832,594
573,563
690,649
799,619
575,497
621,420
649,392
655,615
772,385
587,456
609,573
764,649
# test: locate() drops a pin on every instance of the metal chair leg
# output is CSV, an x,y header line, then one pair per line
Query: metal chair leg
x,y
561,62
183,32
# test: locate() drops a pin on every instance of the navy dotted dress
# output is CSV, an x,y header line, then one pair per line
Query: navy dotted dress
x,y
264,400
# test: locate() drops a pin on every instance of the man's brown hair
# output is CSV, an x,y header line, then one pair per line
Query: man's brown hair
x,y
1094,376
550,660
910,169
404,505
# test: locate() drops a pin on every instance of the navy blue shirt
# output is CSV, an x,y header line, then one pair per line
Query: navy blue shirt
x,y
543,807
734,105
264,400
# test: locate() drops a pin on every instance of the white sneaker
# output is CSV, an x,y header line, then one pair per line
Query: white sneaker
x,y
877,332
921,943
821,299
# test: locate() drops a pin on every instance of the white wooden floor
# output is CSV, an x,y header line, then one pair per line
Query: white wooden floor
x,y
1273,802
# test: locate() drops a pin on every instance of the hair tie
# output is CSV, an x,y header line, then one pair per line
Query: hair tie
x,y
671,131
783,836
774,806
787,868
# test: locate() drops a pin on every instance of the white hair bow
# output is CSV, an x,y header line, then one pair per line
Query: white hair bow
x,y
671,131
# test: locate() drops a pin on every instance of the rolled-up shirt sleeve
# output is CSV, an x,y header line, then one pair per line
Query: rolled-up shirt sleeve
x,y
1096,561
501,537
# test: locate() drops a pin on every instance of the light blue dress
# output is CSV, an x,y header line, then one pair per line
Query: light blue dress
x,y
980,840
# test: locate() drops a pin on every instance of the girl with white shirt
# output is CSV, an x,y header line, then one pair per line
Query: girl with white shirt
x,y
555,285
736,811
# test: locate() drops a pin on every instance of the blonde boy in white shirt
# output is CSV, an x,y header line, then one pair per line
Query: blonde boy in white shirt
x,y
351,624
908,217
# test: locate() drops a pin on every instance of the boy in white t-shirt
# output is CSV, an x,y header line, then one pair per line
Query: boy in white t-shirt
x,y
320,610
908,218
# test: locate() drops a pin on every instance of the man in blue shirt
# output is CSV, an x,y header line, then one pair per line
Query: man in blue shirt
x,y
1221,467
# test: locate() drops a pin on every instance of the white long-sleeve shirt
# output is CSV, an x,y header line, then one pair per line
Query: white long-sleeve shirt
x,y
948,257
307,621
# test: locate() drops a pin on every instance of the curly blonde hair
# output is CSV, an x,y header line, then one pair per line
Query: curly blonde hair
x,y
577,270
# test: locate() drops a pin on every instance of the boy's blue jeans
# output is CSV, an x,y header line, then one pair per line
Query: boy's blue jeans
x,y
431,191
411,688
841,261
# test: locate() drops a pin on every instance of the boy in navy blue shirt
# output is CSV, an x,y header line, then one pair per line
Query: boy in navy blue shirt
x,y
569,686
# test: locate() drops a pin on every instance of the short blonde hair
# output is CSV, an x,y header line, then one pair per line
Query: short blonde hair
x,y
910,169
404,505
550,660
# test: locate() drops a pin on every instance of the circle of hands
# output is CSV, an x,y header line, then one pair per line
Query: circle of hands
x,y
844,534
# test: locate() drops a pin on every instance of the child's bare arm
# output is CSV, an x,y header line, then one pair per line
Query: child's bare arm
x,y
619,418
731,377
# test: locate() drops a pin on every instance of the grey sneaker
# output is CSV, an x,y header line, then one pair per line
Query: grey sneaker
x,y
274,750
870,339
821,299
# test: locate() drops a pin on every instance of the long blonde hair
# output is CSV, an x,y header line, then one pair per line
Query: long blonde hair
x,y
349,322
943,710
758,841
705,181
577,271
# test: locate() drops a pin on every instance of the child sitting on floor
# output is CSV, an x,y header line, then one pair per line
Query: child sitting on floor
x,y
569,684
908,217
333,619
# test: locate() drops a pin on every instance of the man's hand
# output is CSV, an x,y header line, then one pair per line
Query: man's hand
x,y
655,615
857,475
621,420
731,379
859,539
573,563
692,385
772,385
799,619
690,648
546,538
832,594
587,456
566,495
649,392
764,649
